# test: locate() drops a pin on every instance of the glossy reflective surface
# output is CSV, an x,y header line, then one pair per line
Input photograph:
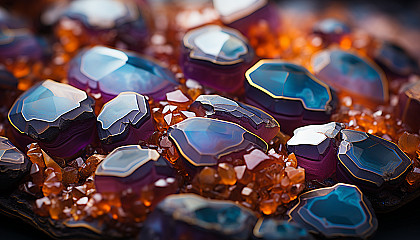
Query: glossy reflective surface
x,y
121,71
395,59
371,159
272,229
338,211
409,106
331,30
346,71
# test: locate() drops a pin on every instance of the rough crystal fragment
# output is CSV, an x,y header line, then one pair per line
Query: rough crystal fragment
x,y
122,71
351,73
216,57
203,141
13,165
193,217
125,120
289,93
409,105
272,229
370,162
338,211
57,116
131,167
315,149
251,118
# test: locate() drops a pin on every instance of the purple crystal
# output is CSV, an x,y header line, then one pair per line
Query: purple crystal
x,y
120,71
409,106
350,73
289,93
216,57
370,162
131,167
120,20
242,14
204,141
339,211
251,118
13,165
17,40
315,149
57,116
191,216
125,120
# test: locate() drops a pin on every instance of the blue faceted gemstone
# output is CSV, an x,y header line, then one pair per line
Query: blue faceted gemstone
x,y
366,159
348,72
395,59
290,93
110,71
337,211
203,141
199,218
331,30
272,229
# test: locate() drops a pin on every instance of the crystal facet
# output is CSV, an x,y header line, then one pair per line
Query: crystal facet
x,y
121,71
409,106
251,118
203,141
13,165
369,161
56,115
125,120
131,167
337,211
289,93
216,56
314,147
351,73
191,216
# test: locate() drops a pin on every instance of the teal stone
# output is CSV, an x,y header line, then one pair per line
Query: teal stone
x,y
370,161
337,211
198,218
348,72
272,229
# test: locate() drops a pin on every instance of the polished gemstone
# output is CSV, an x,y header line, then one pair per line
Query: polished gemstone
x,y
289,93
13,165
314,147
251,118
123,17
350,73
216,57
331,30
409,106
17,40
369,161
272,229
395,59
125,120
131,167
242,14
120,71
191,216
56,115
204,141
338,211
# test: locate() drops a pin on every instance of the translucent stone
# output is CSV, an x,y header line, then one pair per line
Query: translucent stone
x,y
370,161
395,59
290,93
125,120
351,73
314,147
272,229
124,71
338,211
332,30
200,218
52,114
131,167
227,174
409,105
254,158
203,141
251,118
13,165
409,143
